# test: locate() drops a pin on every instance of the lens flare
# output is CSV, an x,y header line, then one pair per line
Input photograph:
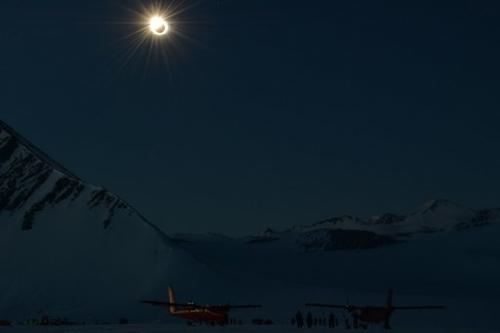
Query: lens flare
x,y
154,30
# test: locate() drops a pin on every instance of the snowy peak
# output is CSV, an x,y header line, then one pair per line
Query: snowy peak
x,y
11,140
441,215
440,205
31,182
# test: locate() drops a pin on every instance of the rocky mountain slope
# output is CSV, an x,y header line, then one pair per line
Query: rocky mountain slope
x,y
71,248
31,182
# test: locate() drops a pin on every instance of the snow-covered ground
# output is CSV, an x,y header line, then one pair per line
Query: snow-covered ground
x,y
154,328
459,269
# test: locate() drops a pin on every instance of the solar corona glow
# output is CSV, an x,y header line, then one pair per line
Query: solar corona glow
x,y
158,25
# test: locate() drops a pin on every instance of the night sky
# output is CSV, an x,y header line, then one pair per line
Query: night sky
x,y
271,113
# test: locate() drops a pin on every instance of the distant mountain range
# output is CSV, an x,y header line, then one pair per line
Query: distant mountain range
x,y
351,232
348,232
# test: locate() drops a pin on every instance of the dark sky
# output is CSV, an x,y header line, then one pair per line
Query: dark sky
x,y
272,113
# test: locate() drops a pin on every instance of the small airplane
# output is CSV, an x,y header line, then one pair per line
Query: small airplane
x,y
194,313
4,322
375,314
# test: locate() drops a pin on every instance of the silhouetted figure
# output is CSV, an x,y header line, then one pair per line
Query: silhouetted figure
x,y
299,319
355,321
347,324
331,321
309,320
315,321
387,326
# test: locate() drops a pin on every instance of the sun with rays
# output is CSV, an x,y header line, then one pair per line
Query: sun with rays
x,y
155,30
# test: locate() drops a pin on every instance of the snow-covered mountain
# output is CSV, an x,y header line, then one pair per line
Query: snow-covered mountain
x,y
71,248
433,216
31,183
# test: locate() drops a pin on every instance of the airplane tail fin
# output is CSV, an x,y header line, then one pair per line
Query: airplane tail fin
x,y
171,299
389,298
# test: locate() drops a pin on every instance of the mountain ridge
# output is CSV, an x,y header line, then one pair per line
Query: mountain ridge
x,y
25,169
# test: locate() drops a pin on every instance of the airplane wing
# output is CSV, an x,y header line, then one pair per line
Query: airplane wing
x,y
230,307
249,306
155,303
195,306
419,307
167,304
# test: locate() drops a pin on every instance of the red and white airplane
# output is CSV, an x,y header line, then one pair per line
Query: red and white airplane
x,y
376,314
194,313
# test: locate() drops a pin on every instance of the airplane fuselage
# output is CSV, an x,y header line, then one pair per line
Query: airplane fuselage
x,y
373,314
202,315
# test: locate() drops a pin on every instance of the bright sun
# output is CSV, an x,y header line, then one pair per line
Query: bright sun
x,y
158,25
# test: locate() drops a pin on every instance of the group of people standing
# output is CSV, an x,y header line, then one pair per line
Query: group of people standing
x,y
330,321
310,321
